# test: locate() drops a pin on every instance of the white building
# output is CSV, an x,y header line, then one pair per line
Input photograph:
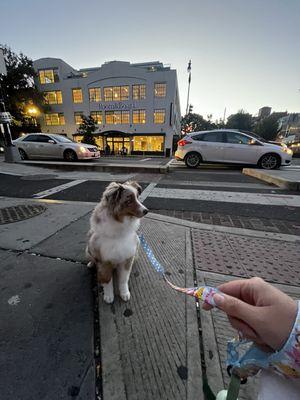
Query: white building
x,y
134,105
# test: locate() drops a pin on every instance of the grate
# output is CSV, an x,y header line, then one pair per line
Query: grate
x,y
9,215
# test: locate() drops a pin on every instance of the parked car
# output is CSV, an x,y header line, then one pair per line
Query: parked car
x,y
233,147
52,146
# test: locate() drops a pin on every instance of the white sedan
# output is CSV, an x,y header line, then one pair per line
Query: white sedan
x,y
51,146
233,147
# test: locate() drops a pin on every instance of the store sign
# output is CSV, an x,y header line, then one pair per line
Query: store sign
x,y
116,106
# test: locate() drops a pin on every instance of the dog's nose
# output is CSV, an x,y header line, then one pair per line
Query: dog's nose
x,y
145,211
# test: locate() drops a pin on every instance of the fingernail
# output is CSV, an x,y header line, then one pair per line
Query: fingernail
x,y
218,299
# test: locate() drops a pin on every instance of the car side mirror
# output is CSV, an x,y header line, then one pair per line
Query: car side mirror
x,y
51,141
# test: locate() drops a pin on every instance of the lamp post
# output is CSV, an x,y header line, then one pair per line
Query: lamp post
x,y
11,153
33,113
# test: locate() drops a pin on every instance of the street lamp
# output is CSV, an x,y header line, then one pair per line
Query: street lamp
x,y
33,112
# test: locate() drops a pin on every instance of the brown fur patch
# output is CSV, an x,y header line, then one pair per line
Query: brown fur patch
x,y
104,272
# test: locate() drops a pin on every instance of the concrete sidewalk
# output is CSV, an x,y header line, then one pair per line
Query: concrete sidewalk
x,y
59,336
285,179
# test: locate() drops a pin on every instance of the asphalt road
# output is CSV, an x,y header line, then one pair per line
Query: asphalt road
x,y
213,182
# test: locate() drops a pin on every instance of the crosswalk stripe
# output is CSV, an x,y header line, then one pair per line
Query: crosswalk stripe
x,y
228,197
57,189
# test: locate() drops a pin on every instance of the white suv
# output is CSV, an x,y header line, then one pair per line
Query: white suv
x,y
231,146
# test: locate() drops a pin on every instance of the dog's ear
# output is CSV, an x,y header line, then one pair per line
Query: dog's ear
x,y
135,185
113,191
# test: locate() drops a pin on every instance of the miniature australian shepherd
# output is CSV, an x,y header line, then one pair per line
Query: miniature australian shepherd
x,y
112,239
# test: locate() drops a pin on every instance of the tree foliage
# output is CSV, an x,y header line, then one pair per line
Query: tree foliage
x,y
268,127
194,122
87,129
18,87
241,120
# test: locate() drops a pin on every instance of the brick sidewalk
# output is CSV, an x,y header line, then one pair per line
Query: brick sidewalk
x,y
260,224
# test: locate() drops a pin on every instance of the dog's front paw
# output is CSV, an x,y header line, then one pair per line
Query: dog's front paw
x,y
108,298
125,296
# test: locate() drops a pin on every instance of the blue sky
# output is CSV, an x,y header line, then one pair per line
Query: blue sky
x,y
245,53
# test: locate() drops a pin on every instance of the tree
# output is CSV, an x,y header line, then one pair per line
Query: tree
x,y
268,127
19,90
194,122
86,129
241,120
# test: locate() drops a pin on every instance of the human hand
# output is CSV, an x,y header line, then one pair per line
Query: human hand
x,y
260,311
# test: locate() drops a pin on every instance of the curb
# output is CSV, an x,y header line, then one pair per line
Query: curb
x,y
276,180
161,169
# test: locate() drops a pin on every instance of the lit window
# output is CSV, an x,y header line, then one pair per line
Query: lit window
x,y
48,76
116,93
160,89
125,117
97,117
77,95
54,119
78,117
117,117
124,92
159,116
148,143
108,94
94,94
54,97
138,116
138,92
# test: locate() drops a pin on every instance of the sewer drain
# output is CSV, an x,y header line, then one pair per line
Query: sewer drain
x,y
9,215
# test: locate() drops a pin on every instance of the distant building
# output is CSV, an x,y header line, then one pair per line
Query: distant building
x,y
264,112
134,105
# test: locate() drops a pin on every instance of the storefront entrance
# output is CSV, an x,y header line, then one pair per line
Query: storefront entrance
x,y
117,144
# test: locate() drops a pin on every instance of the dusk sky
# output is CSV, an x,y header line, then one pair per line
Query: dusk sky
x,y
245,53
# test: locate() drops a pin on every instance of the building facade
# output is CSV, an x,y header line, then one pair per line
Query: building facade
x,y
135,106
264,112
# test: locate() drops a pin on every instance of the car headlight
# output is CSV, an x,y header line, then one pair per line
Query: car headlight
x,y
288,151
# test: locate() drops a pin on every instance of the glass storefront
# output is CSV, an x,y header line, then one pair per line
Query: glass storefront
x,y
148,143
139,144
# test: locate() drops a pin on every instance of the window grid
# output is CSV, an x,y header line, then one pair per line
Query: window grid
x,y
117,117
54,119
77,95
78,117
160,89
138,92
116,93
159,116
139,116
94,94
48,76
54,97
97,117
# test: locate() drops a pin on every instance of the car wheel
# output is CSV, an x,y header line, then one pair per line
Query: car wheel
x,y
192,160
269,161
70,155
23,155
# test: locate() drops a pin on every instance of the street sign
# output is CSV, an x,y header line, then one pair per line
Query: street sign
x,y
5,117
3,70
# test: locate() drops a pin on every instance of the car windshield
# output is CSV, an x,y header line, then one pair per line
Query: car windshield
x,y
63,139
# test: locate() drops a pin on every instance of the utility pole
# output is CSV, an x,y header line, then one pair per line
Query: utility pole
x,y
189,70
224,115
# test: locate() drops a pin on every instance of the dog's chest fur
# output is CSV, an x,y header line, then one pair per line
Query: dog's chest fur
x,y
116,241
